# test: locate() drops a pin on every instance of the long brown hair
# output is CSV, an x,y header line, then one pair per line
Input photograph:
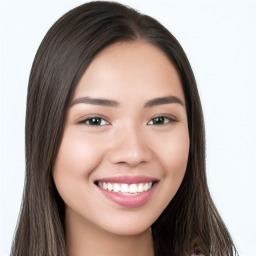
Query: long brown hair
x,y
191,219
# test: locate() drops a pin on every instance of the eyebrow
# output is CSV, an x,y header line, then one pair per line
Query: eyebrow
x,y
163,100
113,103
95,101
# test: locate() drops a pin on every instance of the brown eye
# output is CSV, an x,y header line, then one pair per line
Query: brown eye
x,y
95,121
161,120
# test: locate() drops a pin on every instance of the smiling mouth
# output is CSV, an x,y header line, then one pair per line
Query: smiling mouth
x,y
125,188
128,191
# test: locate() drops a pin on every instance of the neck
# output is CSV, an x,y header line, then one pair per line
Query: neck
x,y
84,238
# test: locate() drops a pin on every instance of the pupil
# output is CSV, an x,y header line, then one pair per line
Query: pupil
x,y
158,120
95,121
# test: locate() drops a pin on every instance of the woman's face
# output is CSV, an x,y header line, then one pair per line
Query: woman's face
x,y
125,146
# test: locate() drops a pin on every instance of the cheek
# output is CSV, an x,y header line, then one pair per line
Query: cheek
x,y
173,154
78,154
176,156
173,157
77,158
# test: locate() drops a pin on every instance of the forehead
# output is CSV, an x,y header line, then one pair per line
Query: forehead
x,y
130,70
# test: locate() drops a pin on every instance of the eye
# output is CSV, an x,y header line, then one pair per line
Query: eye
x,y
161,120
94,121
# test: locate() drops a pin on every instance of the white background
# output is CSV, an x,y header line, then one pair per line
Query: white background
x,y
219,38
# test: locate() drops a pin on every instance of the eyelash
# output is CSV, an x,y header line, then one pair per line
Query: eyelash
x,y
166,120
88,120
163,119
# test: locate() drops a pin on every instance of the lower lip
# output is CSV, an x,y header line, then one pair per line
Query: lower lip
x,y
132,201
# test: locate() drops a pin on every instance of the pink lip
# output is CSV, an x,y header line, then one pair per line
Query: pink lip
x,y
129,201
128,179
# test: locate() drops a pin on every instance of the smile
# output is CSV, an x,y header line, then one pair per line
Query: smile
x,y
128,191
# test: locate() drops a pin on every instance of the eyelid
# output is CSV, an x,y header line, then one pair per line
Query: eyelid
x,y
92,116
165,116
83,120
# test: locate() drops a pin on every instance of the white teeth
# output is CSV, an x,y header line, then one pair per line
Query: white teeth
x,y
140,187
145,187
116,187
125,188
110,187
104,186
133,188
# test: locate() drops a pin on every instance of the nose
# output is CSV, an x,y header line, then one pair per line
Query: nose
x,y
130,147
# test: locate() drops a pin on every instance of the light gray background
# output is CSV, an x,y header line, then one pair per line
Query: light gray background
x,y
219,38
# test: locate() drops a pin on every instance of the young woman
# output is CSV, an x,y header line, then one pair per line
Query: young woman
x,y
115,150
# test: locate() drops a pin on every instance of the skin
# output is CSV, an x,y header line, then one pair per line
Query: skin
x,y
126,141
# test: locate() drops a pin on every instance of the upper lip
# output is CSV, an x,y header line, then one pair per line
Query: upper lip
x,y
128,179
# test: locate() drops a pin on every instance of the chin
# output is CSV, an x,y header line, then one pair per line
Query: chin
x,y
128,230
128,226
